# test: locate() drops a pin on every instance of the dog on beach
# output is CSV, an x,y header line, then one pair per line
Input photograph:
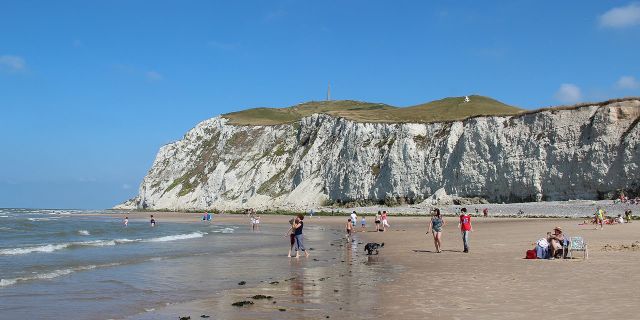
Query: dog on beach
x,y
372,246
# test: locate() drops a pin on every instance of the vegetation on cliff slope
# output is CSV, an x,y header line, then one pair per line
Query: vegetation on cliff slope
x,y
447,109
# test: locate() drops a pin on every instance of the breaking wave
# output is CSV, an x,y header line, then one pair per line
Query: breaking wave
x,y
95,243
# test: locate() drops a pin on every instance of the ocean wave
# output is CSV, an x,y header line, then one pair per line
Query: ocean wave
x,y
44,248
95,243
39,219
53,274
224,230
84,232
178,237
55,247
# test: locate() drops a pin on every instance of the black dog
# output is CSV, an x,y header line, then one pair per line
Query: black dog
x,y
372,246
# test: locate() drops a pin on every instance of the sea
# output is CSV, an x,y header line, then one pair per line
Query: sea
x,y
75,264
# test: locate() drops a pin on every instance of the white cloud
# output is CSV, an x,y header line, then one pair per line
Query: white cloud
x,y
621,17
153,75
569,93
12,63
628,82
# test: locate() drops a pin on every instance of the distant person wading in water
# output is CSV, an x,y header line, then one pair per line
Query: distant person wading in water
x,y
153,221
297,226
435,226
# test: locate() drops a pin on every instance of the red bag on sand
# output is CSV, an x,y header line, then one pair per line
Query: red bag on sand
x,y
531,254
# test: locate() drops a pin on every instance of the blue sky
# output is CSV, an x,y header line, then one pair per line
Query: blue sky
x,y
89,90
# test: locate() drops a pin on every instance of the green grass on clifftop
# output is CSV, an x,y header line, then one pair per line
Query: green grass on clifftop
x,y
273,116
441,110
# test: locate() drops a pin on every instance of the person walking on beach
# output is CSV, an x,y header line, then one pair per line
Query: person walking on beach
x,y
349,229
437,222
126,221
627,216
377,221
485,212
297,226
354,218
153,221
363,224
465,228
291,235
385,223
256,223
600,213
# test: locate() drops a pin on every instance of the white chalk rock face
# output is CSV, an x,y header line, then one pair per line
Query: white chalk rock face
x,y
586,152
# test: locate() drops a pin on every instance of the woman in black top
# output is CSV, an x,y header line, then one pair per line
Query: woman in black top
x,y
297,226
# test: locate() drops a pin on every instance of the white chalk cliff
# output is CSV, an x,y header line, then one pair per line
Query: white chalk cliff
x,y
584,152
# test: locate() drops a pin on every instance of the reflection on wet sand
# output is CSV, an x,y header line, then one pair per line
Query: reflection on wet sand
x,y
296,283
339,281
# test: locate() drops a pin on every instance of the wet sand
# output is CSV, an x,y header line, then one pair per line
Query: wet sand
x,y
409,280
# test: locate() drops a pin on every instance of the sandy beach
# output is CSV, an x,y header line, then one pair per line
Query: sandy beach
x,y
409,280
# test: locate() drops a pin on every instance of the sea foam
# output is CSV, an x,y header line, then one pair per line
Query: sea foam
x,y
52,274
44,248
95,243
178,237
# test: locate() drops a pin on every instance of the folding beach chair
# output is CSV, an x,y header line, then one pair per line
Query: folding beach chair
x,y
577,244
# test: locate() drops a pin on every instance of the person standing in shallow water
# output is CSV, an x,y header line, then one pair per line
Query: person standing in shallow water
x,y
153,221
465,228
291,235
435,226
297,226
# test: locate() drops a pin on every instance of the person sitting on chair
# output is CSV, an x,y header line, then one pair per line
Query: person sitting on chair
x,y
556,241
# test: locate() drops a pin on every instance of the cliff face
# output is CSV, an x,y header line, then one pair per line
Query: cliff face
x,y
557,154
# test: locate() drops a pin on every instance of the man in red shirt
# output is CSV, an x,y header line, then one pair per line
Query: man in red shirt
x,y
465,228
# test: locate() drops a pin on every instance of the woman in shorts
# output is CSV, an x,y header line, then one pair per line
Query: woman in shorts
x,y
435,226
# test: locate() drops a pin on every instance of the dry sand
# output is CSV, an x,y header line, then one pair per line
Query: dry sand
x,y
409,281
